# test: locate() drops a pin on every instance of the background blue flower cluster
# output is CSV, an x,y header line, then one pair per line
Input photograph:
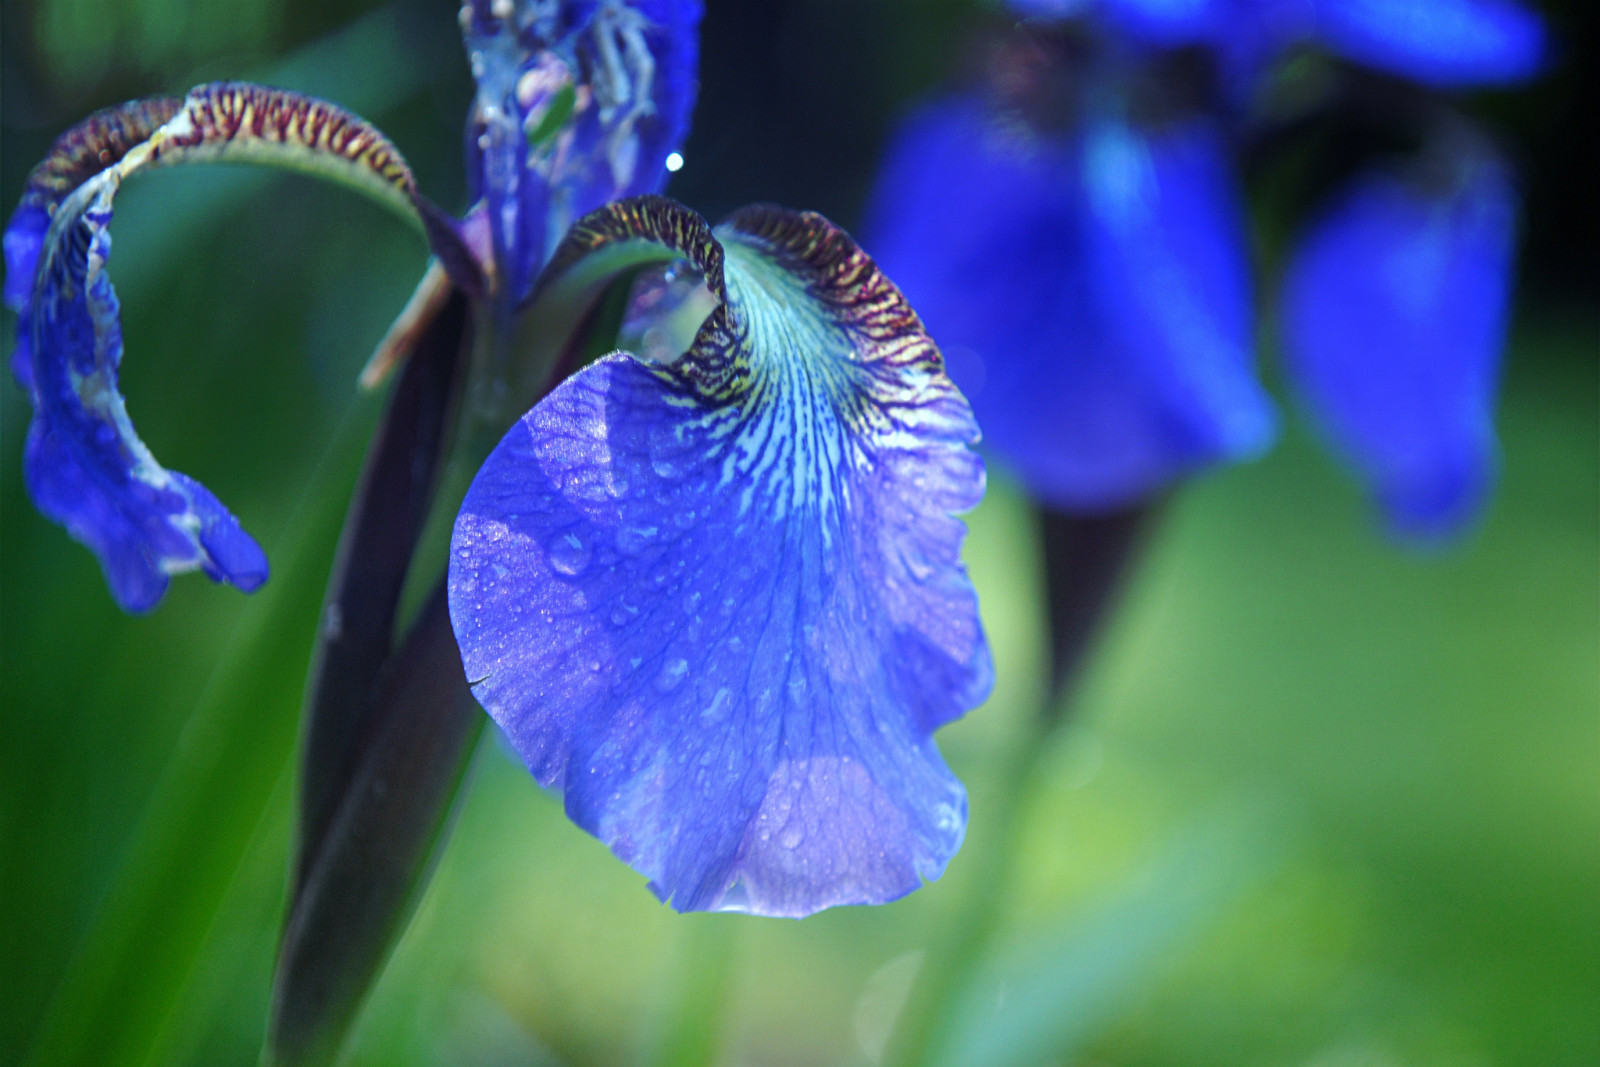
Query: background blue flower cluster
x,y
1089,272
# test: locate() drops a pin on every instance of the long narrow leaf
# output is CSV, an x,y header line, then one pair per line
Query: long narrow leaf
x,y
363,882
385,520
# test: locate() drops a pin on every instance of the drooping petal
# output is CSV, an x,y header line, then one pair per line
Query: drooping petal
x,y
1165,245
1091,296
84,463
1445,43
1394,316
720,601
579,103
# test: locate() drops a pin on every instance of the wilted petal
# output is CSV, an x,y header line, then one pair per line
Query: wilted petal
x,y
720,601
579,103
1091,295
85,465
1447,43
1394,315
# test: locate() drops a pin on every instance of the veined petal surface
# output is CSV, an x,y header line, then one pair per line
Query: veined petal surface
x,y
1394,317
719,601
84,463
579,103
1089,290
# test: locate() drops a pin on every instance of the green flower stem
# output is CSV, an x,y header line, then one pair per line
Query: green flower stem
x,y
967,936
1085,560
693,1030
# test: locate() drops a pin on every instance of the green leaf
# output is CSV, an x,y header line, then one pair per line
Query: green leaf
x,y
359,889
384,748
385,520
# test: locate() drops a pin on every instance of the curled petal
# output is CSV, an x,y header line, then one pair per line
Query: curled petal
x,y
579,103
84,463
719,601
1445,43
1091,295
1394,316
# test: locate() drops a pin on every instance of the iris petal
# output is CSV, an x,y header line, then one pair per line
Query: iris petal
x,y
1091,294
578,104
1445,43
85,464
1394,317
720,601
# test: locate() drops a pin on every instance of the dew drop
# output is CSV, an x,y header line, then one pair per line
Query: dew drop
x,y
632,540
718,708
791,837
672,674
568,553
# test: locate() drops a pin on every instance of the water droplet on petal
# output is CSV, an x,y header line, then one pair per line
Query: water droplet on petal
x,y
666,466
718,708
632,540
568,553
672,674
791,837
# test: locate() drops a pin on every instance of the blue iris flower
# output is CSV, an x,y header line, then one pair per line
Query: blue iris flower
x,y
711,590
1089,275
719,599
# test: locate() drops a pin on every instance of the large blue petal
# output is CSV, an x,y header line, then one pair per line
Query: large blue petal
x,y
626,69
1394,315
720,602
84,463
1091,295
1446,43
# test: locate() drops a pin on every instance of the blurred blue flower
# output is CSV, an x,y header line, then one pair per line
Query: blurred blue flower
x,y
1089,277
1091,293
1394,314
1443,43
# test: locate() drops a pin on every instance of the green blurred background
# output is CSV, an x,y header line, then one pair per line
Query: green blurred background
x,y
1319,801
